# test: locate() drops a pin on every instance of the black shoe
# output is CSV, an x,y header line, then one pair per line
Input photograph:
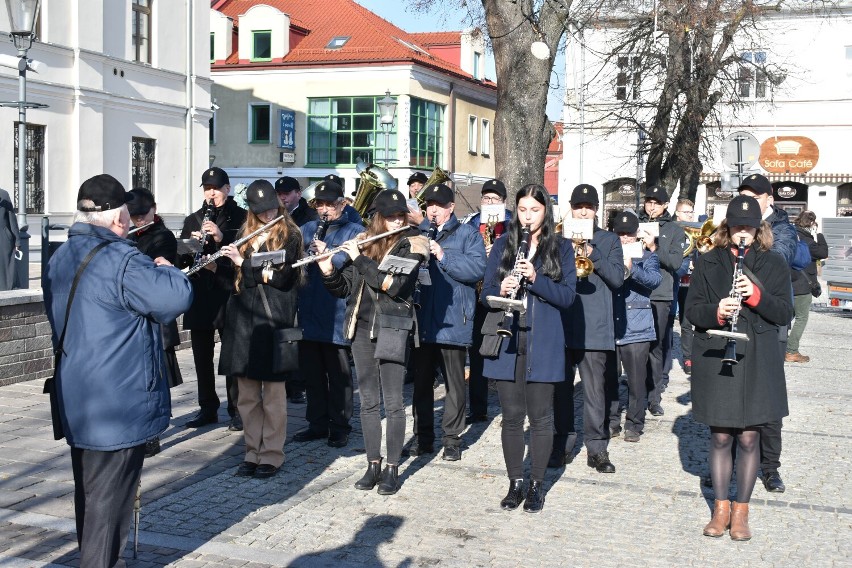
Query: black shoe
x,y
418,449
297,397
371,478
389,483
246,469
474,418
338,439
614,431
265,470
308,435
773,483
152,448
655,409
236,424
601,463
451,453
515,496
202,418
631,436
557,458
534,501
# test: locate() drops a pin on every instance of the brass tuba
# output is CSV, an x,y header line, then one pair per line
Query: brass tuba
x,y
373,180
309,192
438,177
700,236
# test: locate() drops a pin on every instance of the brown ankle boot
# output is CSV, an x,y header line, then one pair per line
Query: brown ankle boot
x,y
739,521
721,519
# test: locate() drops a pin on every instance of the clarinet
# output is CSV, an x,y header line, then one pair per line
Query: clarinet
x,y
511,303
431,234
322,229
733,335
202,240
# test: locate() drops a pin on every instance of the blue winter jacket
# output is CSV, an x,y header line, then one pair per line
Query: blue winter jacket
x,y
446,306
547,303
321,314
111,385
634,318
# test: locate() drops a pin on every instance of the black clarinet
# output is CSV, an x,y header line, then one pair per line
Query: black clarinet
x,y
202,240
733,335
322,229
513,301
431,234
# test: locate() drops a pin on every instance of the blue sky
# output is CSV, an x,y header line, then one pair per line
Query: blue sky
x,y
398,13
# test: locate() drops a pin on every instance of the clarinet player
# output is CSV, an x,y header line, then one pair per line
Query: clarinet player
x,y
735,399
532,360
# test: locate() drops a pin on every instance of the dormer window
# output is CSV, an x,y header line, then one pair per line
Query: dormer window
x,y
261,45
337,42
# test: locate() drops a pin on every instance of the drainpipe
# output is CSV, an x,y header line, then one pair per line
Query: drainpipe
x,y
451,140
190,99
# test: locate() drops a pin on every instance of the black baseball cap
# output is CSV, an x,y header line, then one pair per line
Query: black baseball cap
x,y
390,202
585,193
216,177
494,186
328,190
105,191
625,222
440,193
261,196
336,179
287,184
417,177
744,210
142,202
657,193
757,183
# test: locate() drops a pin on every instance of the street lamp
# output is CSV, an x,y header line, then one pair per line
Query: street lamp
x,y
387,113
22,18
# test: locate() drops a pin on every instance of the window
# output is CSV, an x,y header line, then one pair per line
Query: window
x,y
629,78
477,65
142,163
486,138
471,134
342,130
141,30
33,164
260,126
752,75
337,42
426,134
212,129
261,45
212,47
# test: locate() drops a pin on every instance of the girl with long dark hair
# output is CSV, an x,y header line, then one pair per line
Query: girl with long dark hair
x,y
532,360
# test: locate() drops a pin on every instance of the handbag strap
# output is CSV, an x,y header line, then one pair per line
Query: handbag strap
x,y
58,351
265,303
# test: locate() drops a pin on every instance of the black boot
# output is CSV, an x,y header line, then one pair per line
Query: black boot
x,y
370,478
534,502
515,495
389,484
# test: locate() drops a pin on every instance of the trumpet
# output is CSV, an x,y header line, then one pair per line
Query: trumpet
x,y
512,303
733,335
335,250
582,262
189,271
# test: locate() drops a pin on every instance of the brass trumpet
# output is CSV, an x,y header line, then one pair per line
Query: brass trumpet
x,y
700,236
583,263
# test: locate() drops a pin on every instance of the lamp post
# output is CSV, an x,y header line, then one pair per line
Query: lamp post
x,y
22,18
640,157
387,113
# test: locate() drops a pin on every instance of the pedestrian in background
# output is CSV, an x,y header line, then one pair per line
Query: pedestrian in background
x,y
805,283
8,242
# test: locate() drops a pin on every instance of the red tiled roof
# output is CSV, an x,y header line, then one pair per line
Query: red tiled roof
x,y
555,146
373,40
437,38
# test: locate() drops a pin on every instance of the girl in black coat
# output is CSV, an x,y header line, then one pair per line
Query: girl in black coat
x,y
734,400
264,300
379,321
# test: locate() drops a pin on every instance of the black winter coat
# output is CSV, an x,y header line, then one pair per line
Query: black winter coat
x,y
247,343
212,289
670,246
819,251
303,213
754,391
157,240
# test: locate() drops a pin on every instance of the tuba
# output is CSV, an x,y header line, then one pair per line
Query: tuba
x,y
309,192
373,180
438,177
699,235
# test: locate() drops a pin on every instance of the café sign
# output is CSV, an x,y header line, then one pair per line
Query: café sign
x,y
788,154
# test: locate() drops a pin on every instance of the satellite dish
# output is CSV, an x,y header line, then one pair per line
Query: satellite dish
x,y
750,149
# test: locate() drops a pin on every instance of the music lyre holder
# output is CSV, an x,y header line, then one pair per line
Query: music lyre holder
x,y
506,304
729,334
398,265
273,257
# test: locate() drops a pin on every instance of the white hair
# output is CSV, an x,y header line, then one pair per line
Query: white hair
x,y
99,218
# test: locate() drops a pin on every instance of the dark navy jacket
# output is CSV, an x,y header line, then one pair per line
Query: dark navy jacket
x,y
321,314
590,320
670,246
634,319
446,312
547,303
112,384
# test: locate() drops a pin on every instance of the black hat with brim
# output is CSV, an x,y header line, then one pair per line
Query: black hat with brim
x,y
104,191
744,210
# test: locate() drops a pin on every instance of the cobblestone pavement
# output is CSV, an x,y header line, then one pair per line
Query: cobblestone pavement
x,y
195,513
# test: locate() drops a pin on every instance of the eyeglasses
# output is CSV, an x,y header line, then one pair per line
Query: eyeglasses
x,y
684,212
489,199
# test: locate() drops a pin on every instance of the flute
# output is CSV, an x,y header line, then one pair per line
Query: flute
x,y
139,228
189,271
335,250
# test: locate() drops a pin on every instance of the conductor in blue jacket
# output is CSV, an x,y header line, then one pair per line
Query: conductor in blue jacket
x,y
111,385
445,320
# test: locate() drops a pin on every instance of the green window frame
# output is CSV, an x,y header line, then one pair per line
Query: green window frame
x,y
343,129
426,134
212,47
260,124
261,45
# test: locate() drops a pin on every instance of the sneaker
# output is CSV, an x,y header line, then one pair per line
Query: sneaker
x,y
795,357
631,436
451,453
